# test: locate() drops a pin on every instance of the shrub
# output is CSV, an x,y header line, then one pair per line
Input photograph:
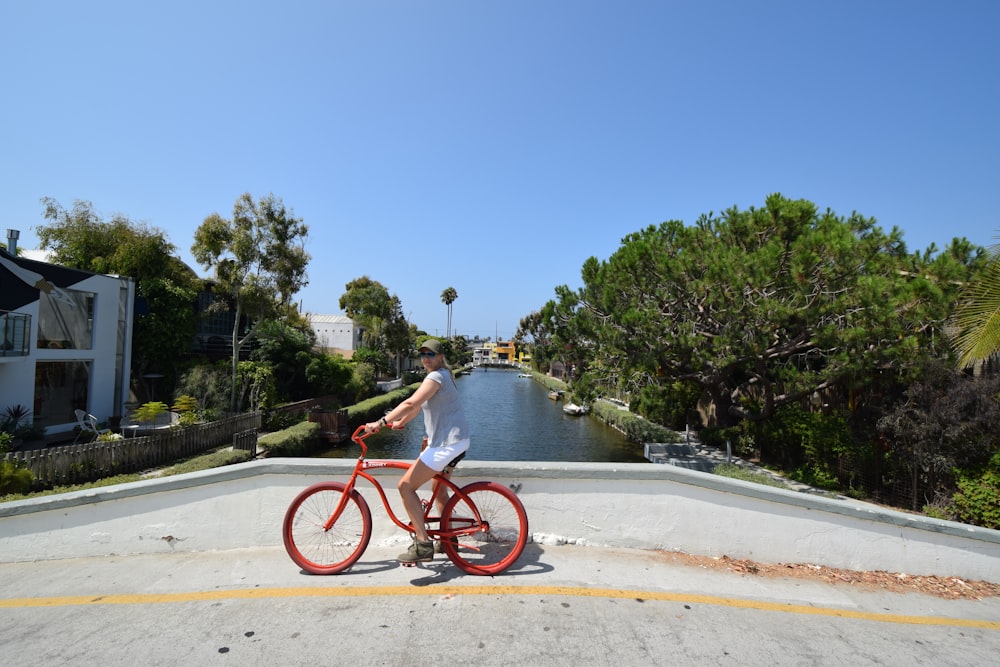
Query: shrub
x,y
814,475
635,428
14,479
148,412
674,405
212,384
6,442
362,384
714,436
371,409
256,385
293,441
278,421
810,443
185,403
733,471
187,407
941,508
12,418
551,383
413,377
978,498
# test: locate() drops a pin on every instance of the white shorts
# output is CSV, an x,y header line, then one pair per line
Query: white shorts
x,y
438,458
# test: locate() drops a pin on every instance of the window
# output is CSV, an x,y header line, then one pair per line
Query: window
x,y
15,328
66,319
60,388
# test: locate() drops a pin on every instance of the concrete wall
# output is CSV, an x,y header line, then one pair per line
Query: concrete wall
x,y
627,505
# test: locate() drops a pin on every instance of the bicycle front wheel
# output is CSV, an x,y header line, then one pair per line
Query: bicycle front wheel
x,y
320,551
501,536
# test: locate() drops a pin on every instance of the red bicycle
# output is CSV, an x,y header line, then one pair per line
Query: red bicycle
x,y
482,528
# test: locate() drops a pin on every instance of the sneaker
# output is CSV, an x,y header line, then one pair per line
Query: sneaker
x,y
438,549
419,552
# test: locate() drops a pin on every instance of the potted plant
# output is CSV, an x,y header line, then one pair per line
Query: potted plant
x,y
149,412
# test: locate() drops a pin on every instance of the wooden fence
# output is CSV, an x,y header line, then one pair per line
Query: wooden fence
x,y
88,462
333,425
246,441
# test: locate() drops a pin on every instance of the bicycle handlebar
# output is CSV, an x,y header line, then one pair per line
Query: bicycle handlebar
x,y
360,434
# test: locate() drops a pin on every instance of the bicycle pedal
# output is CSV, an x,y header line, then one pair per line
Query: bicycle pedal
x,y
409,564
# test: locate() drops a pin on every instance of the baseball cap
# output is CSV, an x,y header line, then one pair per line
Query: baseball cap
x,y
432,344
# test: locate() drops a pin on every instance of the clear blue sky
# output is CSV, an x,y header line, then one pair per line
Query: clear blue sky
x,y
494,146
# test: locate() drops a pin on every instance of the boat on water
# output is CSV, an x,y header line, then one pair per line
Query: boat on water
x,y
574,409
556,395
524,375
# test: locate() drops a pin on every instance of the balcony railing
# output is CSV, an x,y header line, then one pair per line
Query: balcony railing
x,y
15,328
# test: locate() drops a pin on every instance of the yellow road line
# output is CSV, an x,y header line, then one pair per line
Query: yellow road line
x,y
390,591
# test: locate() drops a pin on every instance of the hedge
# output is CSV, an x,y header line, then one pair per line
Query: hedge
x,y
296,440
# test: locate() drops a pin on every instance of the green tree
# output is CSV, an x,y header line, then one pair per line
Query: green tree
x,y
289,350
977,315
758,308
210,386
369,303
399,334
255,382
561,336
80,238
362,382
535,332
329,375
259,261
376,359
162,334
448,297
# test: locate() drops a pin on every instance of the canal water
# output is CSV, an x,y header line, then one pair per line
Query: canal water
x,y
512,419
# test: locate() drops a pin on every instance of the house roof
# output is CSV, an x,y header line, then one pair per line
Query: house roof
x,y
329,319
22,279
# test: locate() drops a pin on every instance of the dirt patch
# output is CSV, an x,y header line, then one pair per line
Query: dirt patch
x,y
951,588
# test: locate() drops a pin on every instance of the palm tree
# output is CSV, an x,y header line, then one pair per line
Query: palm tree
x,y
977,315
448,297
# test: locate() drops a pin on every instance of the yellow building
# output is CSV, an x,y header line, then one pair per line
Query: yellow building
x,y
505,352
499,353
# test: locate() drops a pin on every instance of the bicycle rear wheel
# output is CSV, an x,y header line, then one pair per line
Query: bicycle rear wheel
x,y
320,551
504,531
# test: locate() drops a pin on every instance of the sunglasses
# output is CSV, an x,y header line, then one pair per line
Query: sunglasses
x,y
428,354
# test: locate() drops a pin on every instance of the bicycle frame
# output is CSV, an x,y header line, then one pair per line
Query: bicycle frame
x,y
363,465
482,526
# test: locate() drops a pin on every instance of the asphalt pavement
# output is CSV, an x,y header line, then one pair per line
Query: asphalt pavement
x,y
559,605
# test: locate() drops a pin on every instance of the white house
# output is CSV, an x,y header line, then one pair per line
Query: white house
x,y
67,340
336,333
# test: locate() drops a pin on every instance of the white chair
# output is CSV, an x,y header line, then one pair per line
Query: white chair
x,y
88,424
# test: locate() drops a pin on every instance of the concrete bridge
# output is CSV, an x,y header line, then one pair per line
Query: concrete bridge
x,y
636,506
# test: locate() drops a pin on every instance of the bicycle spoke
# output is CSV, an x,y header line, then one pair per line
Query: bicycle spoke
x,y
322,551
502,535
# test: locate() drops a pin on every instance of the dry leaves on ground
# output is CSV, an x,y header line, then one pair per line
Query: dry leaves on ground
x,y
951,588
